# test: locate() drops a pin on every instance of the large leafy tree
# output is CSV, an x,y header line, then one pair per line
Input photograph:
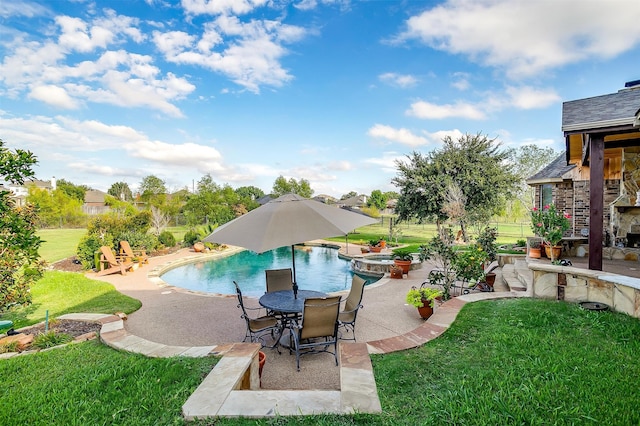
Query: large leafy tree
x,y
527,161
56,208
153,190
121,191
377,200
211,203
19,259
72,190
283,186
474,164
249,196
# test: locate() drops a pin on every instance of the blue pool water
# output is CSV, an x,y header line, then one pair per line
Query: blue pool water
x,y
317,268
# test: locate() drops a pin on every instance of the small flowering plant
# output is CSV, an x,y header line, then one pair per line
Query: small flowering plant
x,y
469,264
549,224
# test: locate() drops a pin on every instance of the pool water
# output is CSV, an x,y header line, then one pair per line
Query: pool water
x,y
317,268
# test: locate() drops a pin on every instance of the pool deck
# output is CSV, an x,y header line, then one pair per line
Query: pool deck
x,y
173,322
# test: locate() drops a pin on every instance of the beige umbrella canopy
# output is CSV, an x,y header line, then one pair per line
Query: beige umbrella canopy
x,y
286,221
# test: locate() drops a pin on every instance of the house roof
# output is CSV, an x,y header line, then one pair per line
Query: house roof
x,y
556,171
615,109
94,196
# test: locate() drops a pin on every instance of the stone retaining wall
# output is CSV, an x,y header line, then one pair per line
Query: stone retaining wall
x,y
619,292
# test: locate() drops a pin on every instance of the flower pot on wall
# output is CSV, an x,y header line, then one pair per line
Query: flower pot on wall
x,y
553,252
535,253
375,249
395,272
405,265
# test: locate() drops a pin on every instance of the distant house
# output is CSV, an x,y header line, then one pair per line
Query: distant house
x,y
357,203
326,199
94,202
19,192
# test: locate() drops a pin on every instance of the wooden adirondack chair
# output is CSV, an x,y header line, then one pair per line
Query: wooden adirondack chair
x,y
139,256
110,264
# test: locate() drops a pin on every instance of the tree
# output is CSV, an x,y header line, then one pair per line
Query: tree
x,y
153,190
19,259
56,208
211,203
527,160
121,191
283,186
249,196
474,163
377,200
72,190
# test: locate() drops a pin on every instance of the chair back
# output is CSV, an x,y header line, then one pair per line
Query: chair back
x,y
279,279
354,298
240,301
109,256
320,317
126,248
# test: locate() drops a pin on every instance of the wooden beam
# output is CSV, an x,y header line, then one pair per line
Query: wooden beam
x,y
596,200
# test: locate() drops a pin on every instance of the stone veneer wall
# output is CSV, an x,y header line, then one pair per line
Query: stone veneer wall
x,y
619,292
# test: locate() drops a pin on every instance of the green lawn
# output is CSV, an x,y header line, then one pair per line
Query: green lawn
x,y
59,243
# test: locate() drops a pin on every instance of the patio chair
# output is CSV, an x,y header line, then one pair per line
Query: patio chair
x,y
138,256
318,329
111,264
279,279
259,326
347,317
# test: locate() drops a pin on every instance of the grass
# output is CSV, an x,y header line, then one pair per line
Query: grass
x,y
91,384
69,292
59,243
507,362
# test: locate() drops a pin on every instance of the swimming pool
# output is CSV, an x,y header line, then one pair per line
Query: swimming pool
x,y
317,268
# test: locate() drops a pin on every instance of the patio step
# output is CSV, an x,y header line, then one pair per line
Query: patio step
x,y
517,276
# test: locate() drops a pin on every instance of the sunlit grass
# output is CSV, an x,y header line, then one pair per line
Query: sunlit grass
x,y
69,292
59,244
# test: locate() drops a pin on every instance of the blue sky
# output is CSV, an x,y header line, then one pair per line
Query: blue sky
x,y
332,91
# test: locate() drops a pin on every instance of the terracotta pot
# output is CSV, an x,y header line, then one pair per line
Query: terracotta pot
x,y
534,253
490,279
262,357
426,311
382,243
395,272
405,265
364,249
557,252
375,249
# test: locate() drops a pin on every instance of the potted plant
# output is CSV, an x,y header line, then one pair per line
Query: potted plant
x,y
402,257
469,264
374,246
550,225
423,298
382,242
534,249
440,251
395,272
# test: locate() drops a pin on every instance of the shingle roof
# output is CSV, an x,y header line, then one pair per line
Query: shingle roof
x,y
614,109
554,172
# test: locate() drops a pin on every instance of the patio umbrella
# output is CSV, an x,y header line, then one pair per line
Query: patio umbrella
x,y
286,221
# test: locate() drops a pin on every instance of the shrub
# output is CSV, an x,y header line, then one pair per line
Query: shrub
x,y
87,247
138,240
190,237
50,339
9,347
521,243
167,239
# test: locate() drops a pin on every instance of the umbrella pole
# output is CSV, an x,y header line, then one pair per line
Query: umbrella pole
x,y
295,284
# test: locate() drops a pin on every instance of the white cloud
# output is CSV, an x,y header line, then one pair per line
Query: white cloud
x,y
402,135
531,98
53,95
247,52
342,166
461,81
387,162
22,8
204,158
527,37
428,110
400,80
218,7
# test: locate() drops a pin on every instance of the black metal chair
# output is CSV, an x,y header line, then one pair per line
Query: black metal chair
x,y
347,317
259,326
318,328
